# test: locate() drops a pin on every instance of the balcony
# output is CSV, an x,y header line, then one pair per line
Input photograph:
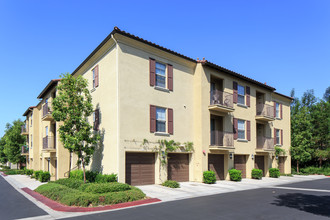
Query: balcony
x,y
24,130
265,144
265,112
25,150
221,101
222,140
48,143
46,112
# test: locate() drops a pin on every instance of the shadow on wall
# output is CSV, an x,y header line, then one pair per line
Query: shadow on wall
x,y
318,205
96,164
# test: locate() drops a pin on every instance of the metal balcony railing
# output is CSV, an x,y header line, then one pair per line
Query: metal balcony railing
x,y
25,149
222,98
46,109
222,138
265,143
265,110
48,143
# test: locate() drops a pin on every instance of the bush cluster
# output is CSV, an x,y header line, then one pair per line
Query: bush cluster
x,y
77,197
106,178
44,176
37,173
274,172
209,177
235,175
70,182
171,184
257,174
14,172
92,176
99,188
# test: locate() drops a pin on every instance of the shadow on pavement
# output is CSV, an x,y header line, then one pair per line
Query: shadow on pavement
x,y
318,205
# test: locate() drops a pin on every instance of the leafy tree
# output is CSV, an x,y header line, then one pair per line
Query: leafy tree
x,y
3,156
326,95
13,141
72,106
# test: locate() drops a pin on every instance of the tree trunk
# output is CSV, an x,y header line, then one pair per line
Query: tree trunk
x,y
297,166
320,163
70,163
83,165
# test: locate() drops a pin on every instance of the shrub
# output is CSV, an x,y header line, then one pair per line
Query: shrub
x,y
235,175
257,174
44,177
37,173
77,174
106,178
14,172
28,172
98,188
171,184
209,177
274,172
90,176
70,182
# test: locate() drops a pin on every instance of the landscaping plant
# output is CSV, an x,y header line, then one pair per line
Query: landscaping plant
x,y
209,177
257,174
171,184
44,176
274,172
235,175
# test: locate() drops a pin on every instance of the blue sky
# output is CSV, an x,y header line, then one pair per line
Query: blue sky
x,y
283,43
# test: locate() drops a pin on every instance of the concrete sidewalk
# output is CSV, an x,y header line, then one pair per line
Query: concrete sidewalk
x,y
193,189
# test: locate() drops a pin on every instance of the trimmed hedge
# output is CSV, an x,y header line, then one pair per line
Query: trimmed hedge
x,y
44,176
70,182
274,172
37,173
99,188
171,184
106,178
209,177
235,175
93,176
28,172
14,172
257,174
75,197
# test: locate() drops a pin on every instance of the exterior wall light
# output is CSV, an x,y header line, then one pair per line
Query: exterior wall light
x,y
252,156
231,156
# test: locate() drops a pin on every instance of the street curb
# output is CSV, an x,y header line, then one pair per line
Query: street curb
x,y
3,174
63,208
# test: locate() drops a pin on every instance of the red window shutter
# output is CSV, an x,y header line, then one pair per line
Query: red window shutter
x,y
235,128
248,96
274,109
152,118
281,109
248,129
170,120
235,92
274,136
170,77
152,69
97,76
281,136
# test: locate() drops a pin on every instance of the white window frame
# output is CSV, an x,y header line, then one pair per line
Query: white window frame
x,y
161,120
240,95
31,141
278,136
241,130
159,75
277,110
93,73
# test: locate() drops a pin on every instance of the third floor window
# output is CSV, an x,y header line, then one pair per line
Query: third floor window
x,y
241,94
160,75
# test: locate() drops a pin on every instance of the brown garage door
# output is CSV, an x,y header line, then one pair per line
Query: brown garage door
x,y
240,164
281,164
216,163
140,168
178,167
259,163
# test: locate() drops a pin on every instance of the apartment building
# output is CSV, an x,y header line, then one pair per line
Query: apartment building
x,y
144,93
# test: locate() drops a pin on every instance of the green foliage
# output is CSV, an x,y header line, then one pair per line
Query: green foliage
x,y
279,151
209,177
171,184
257,174
106,178
70,182
235,175
315,170
14,172
44,176
37,173
28,172
99,188
274,172
72,106
3,156
75,197
77,174
283,174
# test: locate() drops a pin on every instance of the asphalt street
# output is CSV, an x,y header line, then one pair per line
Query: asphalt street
x,y
263,203
13,205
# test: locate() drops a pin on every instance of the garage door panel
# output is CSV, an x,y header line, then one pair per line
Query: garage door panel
x,y
140,168
216,163
240,164
178,167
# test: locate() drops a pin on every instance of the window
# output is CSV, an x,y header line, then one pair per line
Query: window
x,y
31,142
160,75
160,119
241,129
241,94
277,136
31,119
94,75
277,110
46,131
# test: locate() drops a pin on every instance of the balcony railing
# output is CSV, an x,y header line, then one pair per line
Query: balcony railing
x,y
24,129
265,143
25,149
48,143
265,110
222,138
46,109
222,98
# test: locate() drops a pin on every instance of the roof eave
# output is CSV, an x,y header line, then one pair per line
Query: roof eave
x,y
48,87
